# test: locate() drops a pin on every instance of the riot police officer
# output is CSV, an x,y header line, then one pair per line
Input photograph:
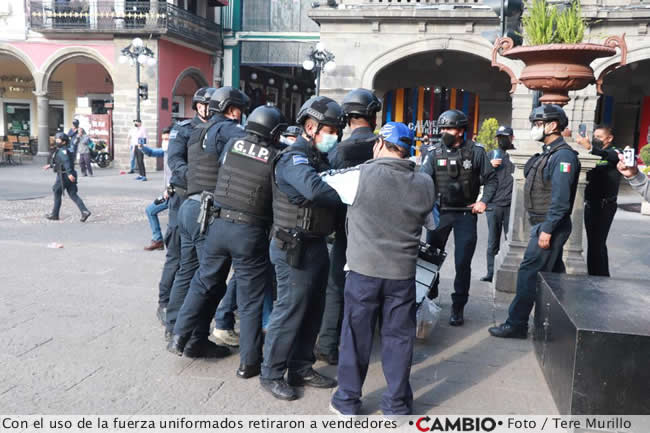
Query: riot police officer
x,y
66,177
549,193
360,107
303,215
498,212
177,161
203,151
290,135
458,167
239,233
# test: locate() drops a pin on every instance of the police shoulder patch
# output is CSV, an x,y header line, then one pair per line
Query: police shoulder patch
x,y
173,134
300,159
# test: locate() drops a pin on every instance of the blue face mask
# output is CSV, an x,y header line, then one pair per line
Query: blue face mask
x,y
327,143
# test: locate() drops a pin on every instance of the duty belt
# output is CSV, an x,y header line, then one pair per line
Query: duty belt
x,y
237,217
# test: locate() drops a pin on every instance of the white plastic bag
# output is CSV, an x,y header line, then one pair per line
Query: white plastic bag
x,y
427,316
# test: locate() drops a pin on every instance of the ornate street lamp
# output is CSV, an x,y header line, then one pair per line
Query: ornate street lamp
x,y
138,54
321,60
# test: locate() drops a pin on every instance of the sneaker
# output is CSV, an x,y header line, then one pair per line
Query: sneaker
x,y
52,217
226,336
506,330
144,178
84,216
138,178
335,411
312,378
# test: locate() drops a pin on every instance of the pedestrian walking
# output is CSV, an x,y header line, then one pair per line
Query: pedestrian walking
x,y
384,239
138,136
498,209
601,195
458,168
84,144
66,177
549,193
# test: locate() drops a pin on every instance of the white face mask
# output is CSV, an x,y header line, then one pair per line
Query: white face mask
x,y
537,133
165,145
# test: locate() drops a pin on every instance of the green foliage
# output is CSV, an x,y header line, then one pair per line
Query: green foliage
x,y
645,154
570,24
543,24
487,134
539,23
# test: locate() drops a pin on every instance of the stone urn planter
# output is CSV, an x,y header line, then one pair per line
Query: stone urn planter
x,y
555,69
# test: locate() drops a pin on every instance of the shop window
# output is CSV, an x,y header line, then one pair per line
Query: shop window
x,y
55,119
17,119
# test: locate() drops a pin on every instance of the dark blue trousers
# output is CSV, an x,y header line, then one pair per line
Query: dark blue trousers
x,y
191,243
172,263
246,248
536,260
330,330
365,299
464,226
71,188
298,310
498,219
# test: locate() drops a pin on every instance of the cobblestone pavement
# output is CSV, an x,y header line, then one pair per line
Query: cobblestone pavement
x,y
79,333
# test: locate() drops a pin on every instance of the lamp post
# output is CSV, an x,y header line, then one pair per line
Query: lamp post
x,y
138,54
320,59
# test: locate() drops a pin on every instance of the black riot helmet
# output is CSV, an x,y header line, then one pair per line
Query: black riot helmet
x,y
267,122
362,103
224,97
63,137
452,119
292,131
202,96
324,110
550,113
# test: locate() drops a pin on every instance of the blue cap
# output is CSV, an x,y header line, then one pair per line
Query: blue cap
x,y
504,130
398,134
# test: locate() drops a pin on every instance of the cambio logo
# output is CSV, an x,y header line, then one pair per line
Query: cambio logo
x,y
463,424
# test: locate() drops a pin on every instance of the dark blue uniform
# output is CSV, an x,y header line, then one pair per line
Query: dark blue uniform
x,y
177,162
63,163
298,310
362,139
462,222
190,316
561,172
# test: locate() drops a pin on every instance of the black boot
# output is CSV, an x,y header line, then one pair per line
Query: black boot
x,y
506,330
52,217
84,216
456,318
312,378
487,278
279,389
206,349
177,344
248,371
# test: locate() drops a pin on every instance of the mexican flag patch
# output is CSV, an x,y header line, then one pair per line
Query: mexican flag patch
x,y
442,163
565,167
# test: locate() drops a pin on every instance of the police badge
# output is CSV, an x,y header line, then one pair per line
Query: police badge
x,y
467,164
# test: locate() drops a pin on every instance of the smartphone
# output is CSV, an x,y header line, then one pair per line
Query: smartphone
x,y
582,130
628,157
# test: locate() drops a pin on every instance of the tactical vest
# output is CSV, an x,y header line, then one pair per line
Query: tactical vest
x,y
458,182
537,191
244,180
202,166
310,220
355,152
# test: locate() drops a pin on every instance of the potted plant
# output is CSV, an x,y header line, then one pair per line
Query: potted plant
x,y
556,59
487,134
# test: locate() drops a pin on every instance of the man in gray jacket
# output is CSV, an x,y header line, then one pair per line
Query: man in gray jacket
x,y
383,241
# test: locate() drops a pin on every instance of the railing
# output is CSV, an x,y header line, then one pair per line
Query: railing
x,y
120,16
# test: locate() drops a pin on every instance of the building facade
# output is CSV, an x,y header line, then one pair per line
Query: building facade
x,y
60,60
